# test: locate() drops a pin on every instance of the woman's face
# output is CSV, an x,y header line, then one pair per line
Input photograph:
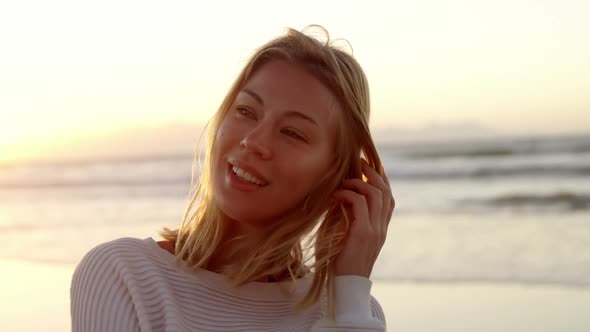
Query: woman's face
x,y
274,144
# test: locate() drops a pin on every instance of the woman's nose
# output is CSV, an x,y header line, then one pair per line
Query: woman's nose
x,y
258,142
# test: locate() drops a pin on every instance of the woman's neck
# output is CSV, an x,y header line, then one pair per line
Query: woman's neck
x,y
239,240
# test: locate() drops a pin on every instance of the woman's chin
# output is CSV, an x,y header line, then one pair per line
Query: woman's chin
x,y
246,216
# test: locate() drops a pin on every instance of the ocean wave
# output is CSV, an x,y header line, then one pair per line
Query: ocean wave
x,y
527,159
139,159
499,148
529,281
566,200
484,171
395,173
184,181
494,152
101,173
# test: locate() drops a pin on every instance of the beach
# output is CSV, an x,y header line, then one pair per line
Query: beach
x,y
36,298
454,307
492,236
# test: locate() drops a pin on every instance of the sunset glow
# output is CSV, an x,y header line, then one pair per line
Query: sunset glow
x,y
72,69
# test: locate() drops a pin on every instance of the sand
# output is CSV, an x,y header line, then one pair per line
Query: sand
x,y
455,307
36,298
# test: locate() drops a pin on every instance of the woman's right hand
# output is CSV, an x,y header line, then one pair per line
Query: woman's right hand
x,y
371,206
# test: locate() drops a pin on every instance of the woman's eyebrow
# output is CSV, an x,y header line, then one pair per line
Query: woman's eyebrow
x,y
297,114
289,113
253,95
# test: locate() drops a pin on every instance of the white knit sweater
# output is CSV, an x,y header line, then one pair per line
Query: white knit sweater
x,y
133,285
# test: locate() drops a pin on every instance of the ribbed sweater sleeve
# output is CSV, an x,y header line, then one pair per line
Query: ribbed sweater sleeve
x,y
355,310
100,300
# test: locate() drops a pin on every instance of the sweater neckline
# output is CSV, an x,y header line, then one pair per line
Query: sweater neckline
x,y
218,281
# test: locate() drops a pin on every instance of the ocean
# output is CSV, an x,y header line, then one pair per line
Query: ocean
x,y
501,210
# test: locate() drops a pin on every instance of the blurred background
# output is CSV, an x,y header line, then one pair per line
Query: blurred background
x,y
480,110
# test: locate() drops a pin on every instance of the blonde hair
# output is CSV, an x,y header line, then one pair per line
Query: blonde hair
x,y
281,255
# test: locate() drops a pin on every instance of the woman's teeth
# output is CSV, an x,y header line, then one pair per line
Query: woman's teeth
x,y
247,176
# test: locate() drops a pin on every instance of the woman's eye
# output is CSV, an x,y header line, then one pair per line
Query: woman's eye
x,y
245,112
293,134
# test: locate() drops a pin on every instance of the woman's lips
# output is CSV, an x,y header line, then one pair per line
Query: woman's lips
x,y
239,183
248,169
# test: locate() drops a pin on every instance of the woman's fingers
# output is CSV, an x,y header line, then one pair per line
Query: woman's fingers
x,y
381,182
370,204
372,194
360,212
373,176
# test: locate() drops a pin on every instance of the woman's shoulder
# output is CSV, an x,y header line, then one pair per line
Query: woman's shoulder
x,y
118,252
107,285
122,246
123,242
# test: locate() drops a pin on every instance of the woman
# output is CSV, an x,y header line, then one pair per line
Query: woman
x,y
283,165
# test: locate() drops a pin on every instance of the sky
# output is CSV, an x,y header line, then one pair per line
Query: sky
x,y
73,71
